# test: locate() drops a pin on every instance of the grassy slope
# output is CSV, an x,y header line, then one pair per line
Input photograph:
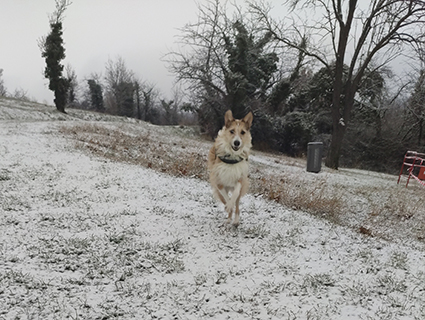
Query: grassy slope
x,y
84,237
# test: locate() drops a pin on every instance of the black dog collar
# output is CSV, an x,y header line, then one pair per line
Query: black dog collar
x,y
228,160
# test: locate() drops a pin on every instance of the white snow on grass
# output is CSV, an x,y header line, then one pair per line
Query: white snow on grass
x,y
83,237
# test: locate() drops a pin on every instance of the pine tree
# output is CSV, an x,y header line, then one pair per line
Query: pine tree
x,y
96,95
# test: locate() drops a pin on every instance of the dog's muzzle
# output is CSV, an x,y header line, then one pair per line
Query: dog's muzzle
x,y
236,145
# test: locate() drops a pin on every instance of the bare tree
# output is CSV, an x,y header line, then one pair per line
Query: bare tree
x,y
145,100
349,33
73,88
414,122
21,94
119,87
202,67
226,62
415,116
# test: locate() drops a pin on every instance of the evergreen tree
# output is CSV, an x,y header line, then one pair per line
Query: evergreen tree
x,y
96,95
3,91
54,52
250,68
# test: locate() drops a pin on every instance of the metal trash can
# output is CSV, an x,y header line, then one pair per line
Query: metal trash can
x,y
314,156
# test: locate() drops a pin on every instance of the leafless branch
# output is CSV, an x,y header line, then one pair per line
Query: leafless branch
x,y
58,15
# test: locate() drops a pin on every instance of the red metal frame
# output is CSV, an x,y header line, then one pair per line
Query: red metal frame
x,y
413,160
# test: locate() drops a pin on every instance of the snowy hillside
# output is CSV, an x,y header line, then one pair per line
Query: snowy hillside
x,y
86,235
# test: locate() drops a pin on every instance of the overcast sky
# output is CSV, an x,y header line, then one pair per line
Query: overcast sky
x,y
140,31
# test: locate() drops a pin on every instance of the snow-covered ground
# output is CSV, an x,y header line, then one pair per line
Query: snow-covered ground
x,y
84,237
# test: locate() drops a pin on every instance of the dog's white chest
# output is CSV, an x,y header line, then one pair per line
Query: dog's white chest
x,y
229,175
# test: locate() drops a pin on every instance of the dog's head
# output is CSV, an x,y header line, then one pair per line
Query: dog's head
x,y
237,131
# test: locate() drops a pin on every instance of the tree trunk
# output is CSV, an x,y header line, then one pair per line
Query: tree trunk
x,y
341,110
139,110
60,94
334,152
340,120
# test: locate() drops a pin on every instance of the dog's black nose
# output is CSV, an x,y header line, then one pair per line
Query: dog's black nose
x,y
237,143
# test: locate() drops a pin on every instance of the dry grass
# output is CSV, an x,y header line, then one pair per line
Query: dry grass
x,y
147,151
395,213
312,198
140,149
384,212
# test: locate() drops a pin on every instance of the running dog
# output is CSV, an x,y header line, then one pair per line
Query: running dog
x,y
228,163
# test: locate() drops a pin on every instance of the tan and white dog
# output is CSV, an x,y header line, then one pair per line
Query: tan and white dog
x,y
228,162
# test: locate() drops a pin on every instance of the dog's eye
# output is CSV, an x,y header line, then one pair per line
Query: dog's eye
x,y
242,132
232,131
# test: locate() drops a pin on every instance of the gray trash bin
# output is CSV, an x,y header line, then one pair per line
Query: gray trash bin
x,y
314,156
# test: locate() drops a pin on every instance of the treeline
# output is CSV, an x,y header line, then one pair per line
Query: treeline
x,y
302,89
120,92
19,93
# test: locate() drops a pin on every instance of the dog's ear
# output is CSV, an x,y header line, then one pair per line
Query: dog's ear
x,y
228,118
248,120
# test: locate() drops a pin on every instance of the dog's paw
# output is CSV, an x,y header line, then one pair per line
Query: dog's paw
x,y
229,206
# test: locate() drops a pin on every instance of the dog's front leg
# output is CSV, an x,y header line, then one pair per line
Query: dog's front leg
x,y
235,195
236,222
222,194
224,197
